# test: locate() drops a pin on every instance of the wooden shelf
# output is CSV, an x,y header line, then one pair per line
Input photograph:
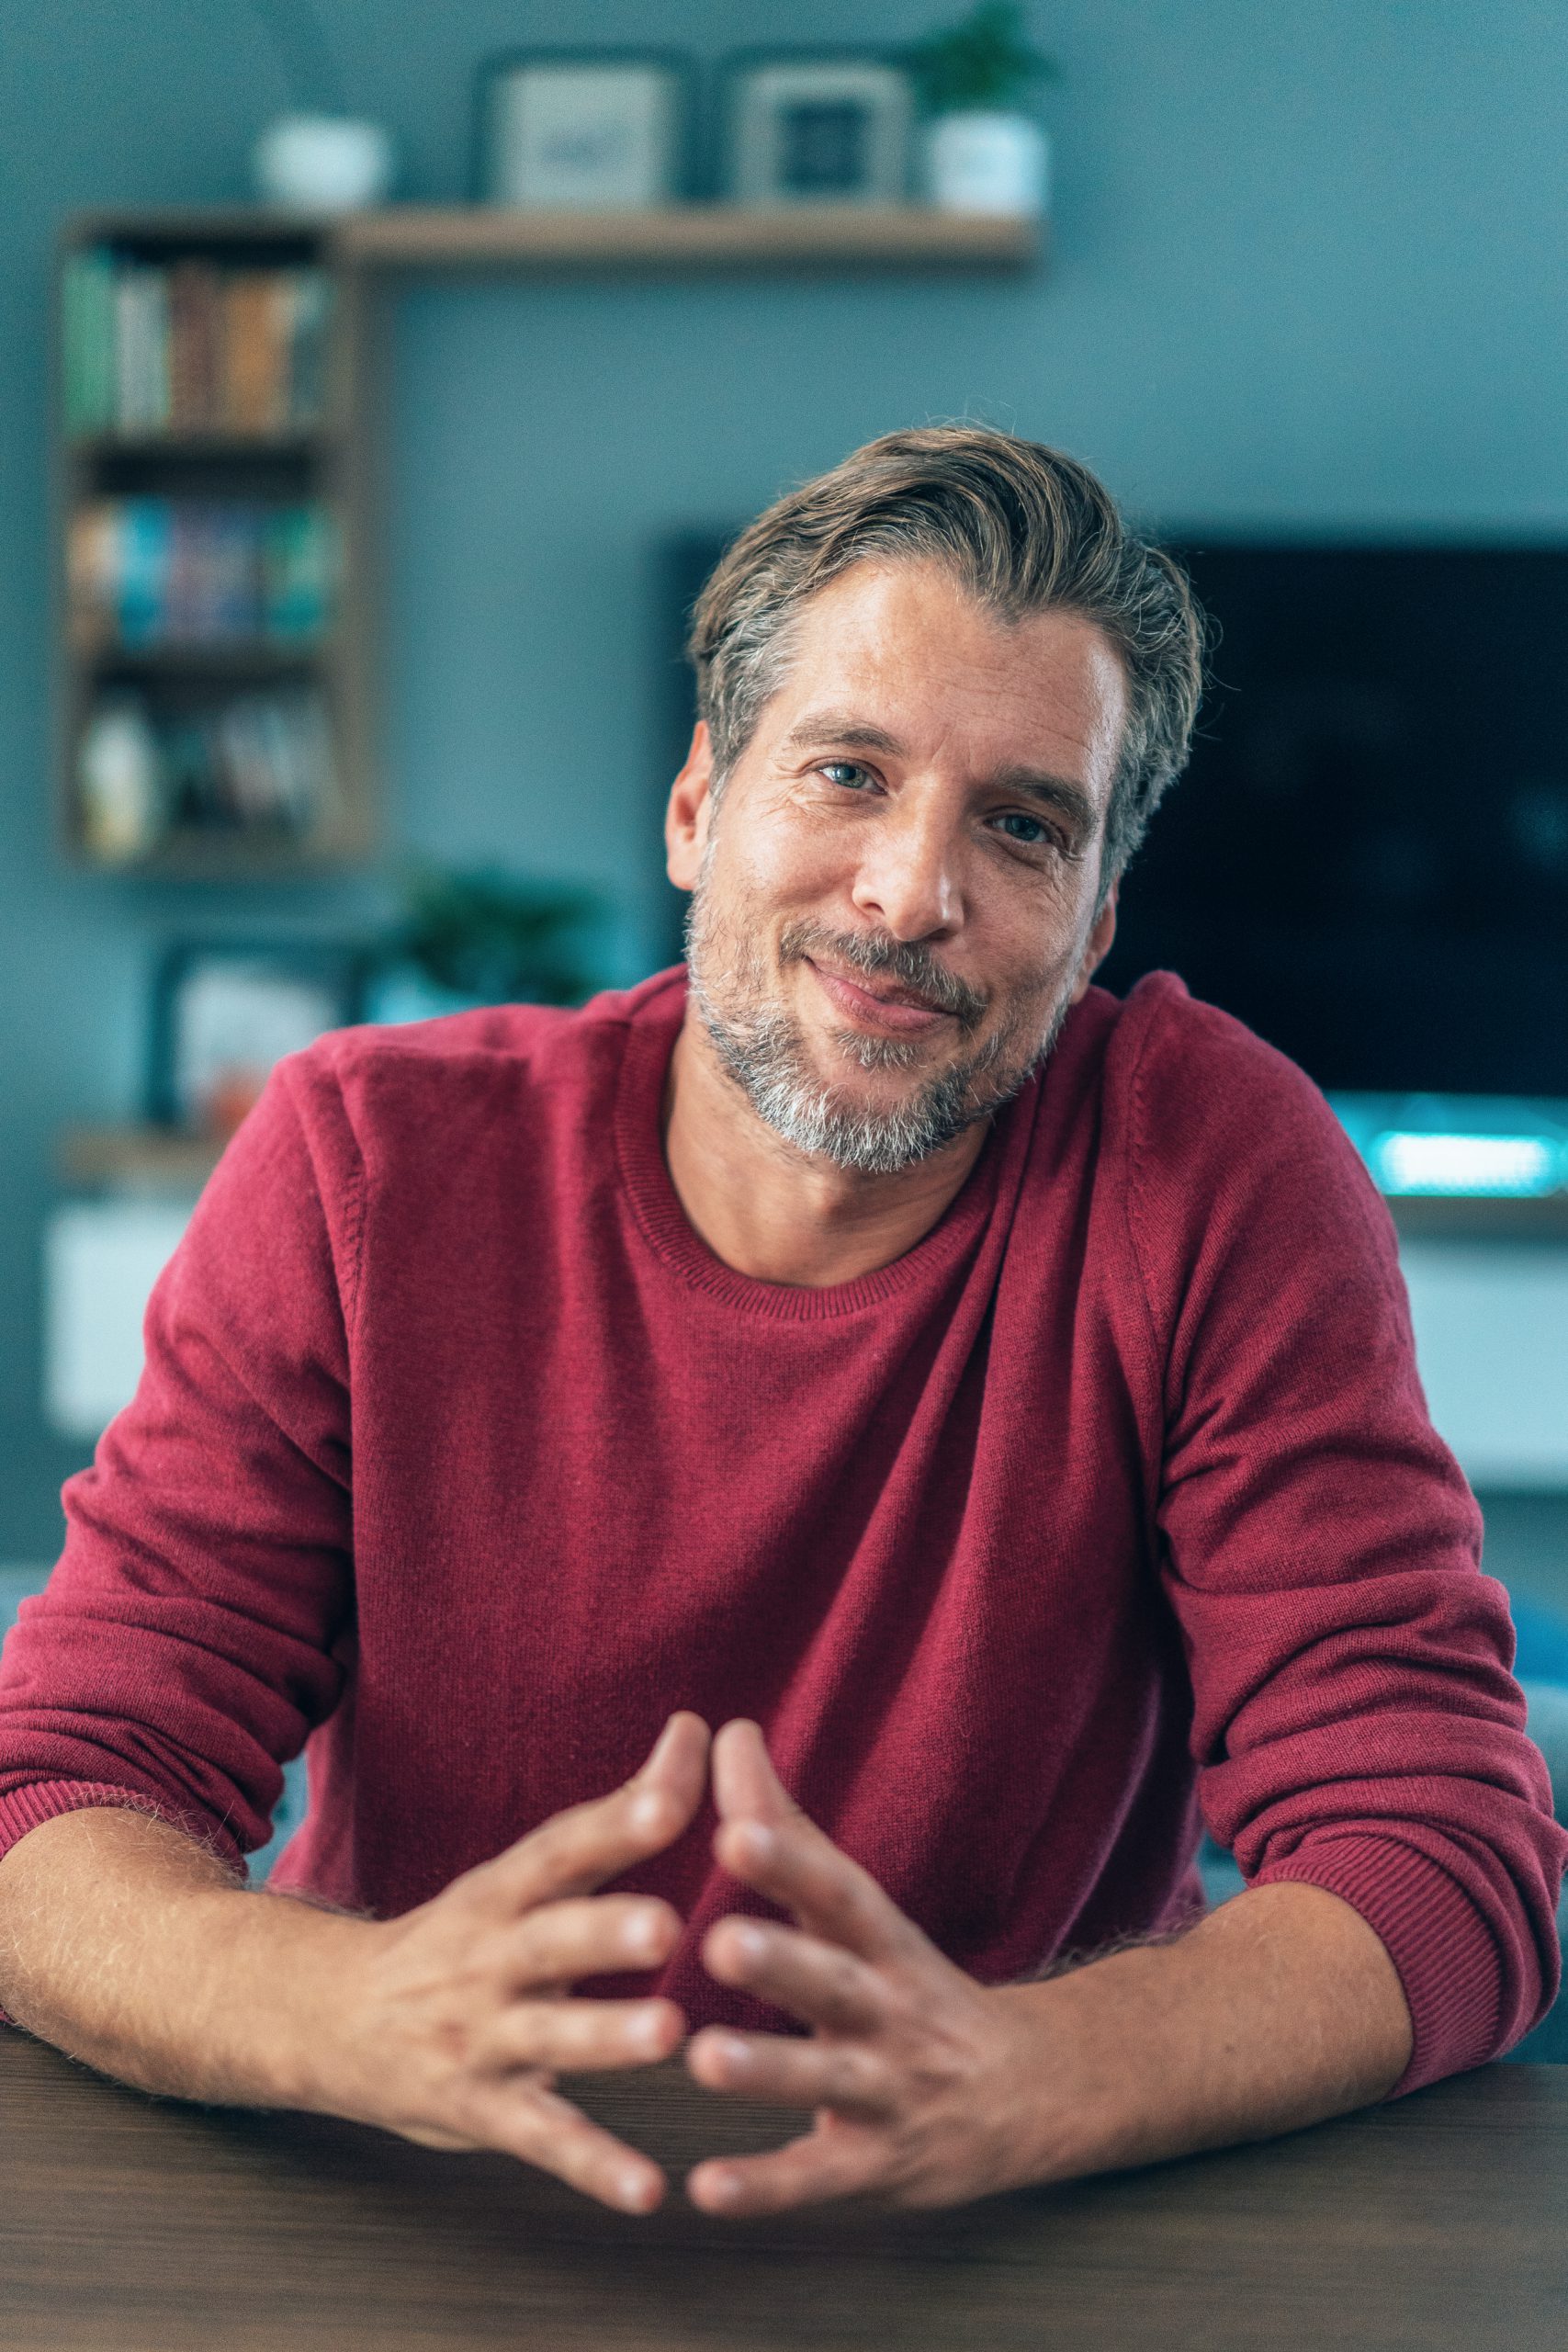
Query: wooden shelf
x,y
97,448
239,855
684,237
1449,1217
140,1159
217,656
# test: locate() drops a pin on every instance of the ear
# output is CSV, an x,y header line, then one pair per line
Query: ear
x,y
1098,945
687,817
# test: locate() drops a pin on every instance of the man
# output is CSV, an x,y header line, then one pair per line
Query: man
x,y
992,1403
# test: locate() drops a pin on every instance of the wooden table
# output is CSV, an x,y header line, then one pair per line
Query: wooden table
x,y
130,2226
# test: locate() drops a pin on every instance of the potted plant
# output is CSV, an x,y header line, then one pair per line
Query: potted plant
x,y
318,157
485,938
982,152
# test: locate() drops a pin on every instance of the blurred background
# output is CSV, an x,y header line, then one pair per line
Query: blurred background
x,y
378,381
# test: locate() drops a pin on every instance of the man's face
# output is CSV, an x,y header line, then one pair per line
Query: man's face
x,y
895,905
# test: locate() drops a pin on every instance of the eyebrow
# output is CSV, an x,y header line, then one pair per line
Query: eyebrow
x,y
840,727
843,727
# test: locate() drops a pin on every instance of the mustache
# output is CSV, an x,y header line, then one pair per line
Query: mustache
x,y
903,961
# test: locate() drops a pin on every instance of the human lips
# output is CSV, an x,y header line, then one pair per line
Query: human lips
x,y
901,1011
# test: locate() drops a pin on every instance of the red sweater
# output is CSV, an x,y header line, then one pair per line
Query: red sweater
x,y
460,1456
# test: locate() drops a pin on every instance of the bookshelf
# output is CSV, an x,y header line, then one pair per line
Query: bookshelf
x,y
214,703
216,398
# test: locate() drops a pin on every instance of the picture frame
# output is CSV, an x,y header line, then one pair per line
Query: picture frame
x,y
226,1011
822,126
582,129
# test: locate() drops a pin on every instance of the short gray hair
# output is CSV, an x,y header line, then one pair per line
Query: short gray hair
x,y
1023,528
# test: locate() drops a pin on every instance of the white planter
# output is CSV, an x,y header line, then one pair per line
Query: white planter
x,y
987,162
322,162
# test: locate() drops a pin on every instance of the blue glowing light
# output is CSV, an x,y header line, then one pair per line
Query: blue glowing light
x,y
1460,1163
1481,1148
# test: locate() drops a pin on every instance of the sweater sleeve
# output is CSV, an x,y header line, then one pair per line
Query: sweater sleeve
x,y
194,1629
1355,1724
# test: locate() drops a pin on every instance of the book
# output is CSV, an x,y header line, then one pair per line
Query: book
x,y
297,572
92,573
196,352
140,353
255,385
87,323
145,555
232,605
310,314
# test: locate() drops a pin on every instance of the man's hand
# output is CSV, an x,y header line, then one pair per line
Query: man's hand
x,y
1279,2010
920,2078
457,2019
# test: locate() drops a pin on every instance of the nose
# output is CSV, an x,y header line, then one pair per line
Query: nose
x,y
906,882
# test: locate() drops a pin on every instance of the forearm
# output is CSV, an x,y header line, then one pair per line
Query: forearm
x,y
124,1943
1279,2010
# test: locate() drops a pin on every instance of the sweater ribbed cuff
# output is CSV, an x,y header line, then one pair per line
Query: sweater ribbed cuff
x,y
1443,1949
27,1808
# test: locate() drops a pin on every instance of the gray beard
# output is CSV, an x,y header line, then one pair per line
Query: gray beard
x,y
760,1046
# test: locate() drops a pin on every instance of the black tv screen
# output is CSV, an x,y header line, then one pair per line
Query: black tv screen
x,y
1367,860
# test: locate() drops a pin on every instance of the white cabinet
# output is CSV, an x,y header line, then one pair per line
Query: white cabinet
x,y
101,1260
1492,1339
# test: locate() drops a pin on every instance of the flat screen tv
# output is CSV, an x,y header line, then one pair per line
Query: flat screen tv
x,y
1367,860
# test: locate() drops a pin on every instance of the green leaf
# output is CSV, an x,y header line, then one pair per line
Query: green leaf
x,y
984,62
495,935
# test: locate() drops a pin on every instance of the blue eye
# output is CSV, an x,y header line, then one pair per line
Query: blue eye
x,y
1033,836
843,772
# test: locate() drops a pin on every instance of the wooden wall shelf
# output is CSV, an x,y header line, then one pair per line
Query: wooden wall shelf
x,y
136,1160
684,237
221,448
235,656
1453,1218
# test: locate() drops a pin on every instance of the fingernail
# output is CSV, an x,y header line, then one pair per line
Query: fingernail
x,y
650,1811
718,2187
637,2191
760,1839
729,2049
642,1934
654,1756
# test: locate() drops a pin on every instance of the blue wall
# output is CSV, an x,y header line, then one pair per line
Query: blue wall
x,y
1309,273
